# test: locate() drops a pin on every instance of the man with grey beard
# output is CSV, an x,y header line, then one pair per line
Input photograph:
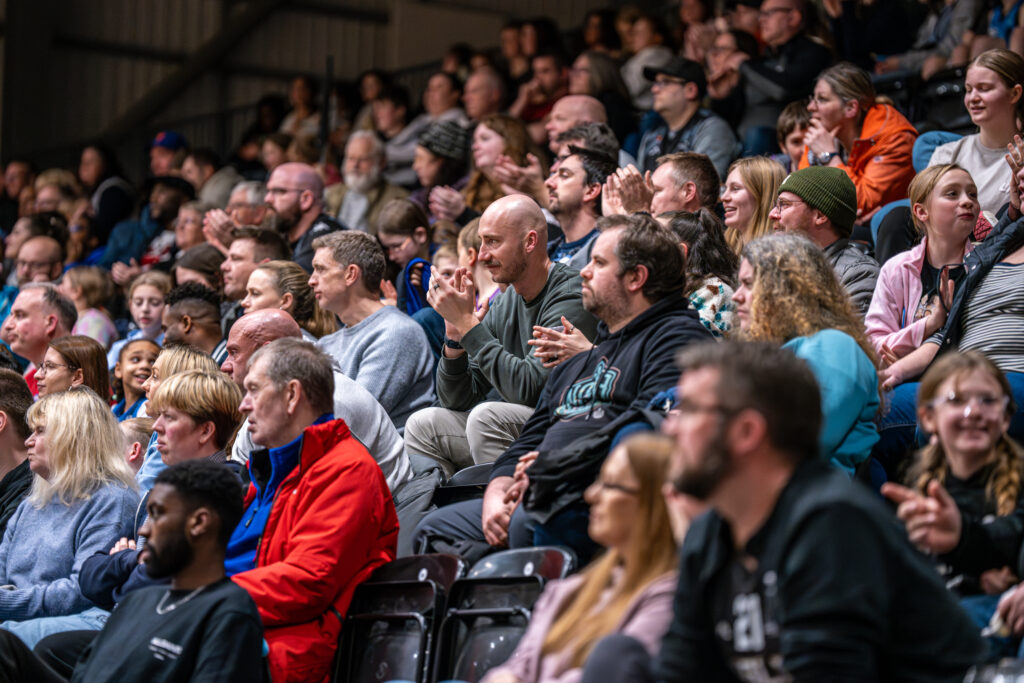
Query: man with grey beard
x,y
357,202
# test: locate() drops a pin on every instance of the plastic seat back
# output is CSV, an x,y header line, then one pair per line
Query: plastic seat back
x,y
546,563
466,484
487,645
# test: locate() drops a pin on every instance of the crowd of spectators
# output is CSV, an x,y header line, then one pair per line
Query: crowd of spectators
x,y
706,309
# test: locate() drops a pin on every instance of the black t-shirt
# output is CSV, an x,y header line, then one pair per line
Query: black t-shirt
x,y
828,589
930,277
214,636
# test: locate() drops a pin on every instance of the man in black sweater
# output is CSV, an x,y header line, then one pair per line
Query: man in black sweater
x,y
202,627
795,573
633,285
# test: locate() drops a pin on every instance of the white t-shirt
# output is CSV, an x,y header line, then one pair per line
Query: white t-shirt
x,y
987,167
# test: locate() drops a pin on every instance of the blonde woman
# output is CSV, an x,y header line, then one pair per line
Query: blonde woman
x,y
627,591
83,499
788,294
170,362
748,196
90,287
285,285
196,415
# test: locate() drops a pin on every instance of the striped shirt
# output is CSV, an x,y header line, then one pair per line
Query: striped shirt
x,y
994,318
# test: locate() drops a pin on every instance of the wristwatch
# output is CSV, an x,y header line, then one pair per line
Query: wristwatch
x,y
822,159
452,344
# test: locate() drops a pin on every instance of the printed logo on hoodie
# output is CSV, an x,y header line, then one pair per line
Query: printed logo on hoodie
x,y
589,393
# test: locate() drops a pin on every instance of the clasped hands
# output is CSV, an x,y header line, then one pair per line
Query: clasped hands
x,y
454,299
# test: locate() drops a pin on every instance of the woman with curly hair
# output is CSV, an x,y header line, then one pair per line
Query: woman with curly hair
x,y
965,403
748,197
788,293
496,138
284,285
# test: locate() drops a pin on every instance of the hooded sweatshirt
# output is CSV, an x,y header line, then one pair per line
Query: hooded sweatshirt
x,y
593,394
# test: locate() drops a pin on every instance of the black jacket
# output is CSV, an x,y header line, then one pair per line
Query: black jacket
x,y
591,395
779,77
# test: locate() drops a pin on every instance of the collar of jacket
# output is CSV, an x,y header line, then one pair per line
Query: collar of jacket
x,y
673,303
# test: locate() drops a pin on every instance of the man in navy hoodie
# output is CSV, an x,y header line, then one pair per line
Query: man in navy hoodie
x,y
633,285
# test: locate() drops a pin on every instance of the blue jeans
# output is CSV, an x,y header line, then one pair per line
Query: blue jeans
x,y
31,631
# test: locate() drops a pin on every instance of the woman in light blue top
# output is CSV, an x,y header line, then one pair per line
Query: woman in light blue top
x,y
789,294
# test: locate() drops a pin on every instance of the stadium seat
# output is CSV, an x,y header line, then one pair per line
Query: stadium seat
x,y
466,484
392,621
489,610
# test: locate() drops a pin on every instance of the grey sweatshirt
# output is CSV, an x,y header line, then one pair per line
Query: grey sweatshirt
x,y
387,353
43,550
366,420
497,355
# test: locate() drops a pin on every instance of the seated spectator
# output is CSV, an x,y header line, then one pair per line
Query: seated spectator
x,y
748,199
484,94
851,129
536,97
167,152
284,285
936,39
201,264
246,206
723,72
683,181
57,189
487,382
710,267
869,607
146,307
304,118
137,433
915,288
441,100
83,499
358,201
15,474
295,195
212,180
134,366
574,198
149,239
50,224
633,285
217,633
249,248
391,120
440,161
678,87
40,259
863,30
597,74
188,226
112,198
19,174
347,272
495,137
39,315
647,44
821,204
627,591
72,361
788,294
785,72
1005,29
333,521
599,32
789,132
405,234
192,317
90,288
571,111
968,473
468,248
274,151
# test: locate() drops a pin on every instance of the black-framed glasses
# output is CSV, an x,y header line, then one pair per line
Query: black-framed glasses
x,y
783,204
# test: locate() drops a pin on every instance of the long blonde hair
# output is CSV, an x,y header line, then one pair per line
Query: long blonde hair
x,y
290,277
84,444
1004,481
762,178
922,185
651,554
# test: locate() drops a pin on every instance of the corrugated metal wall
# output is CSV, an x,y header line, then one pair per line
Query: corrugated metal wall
x,y
106,54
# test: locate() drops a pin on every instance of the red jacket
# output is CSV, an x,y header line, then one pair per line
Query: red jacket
x,y
881,163
332,523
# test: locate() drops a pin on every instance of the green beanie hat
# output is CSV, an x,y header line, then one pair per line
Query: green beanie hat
x,y
828,190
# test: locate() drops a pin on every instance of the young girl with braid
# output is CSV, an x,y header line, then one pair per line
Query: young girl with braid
x,y
970,469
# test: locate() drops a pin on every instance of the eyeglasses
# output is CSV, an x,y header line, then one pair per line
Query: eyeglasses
x,y
783,204
661,82
50,367
985,404
33,265
611,486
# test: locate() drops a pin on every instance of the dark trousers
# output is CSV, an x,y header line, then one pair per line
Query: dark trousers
x,y
618,658
61,651
19,664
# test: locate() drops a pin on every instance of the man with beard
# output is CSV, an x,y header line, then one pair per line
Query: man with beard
x,y
488,380
249,248
574,197
295,194
536,97
796,573
357,203
152,233
633,285
200,627
192,316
